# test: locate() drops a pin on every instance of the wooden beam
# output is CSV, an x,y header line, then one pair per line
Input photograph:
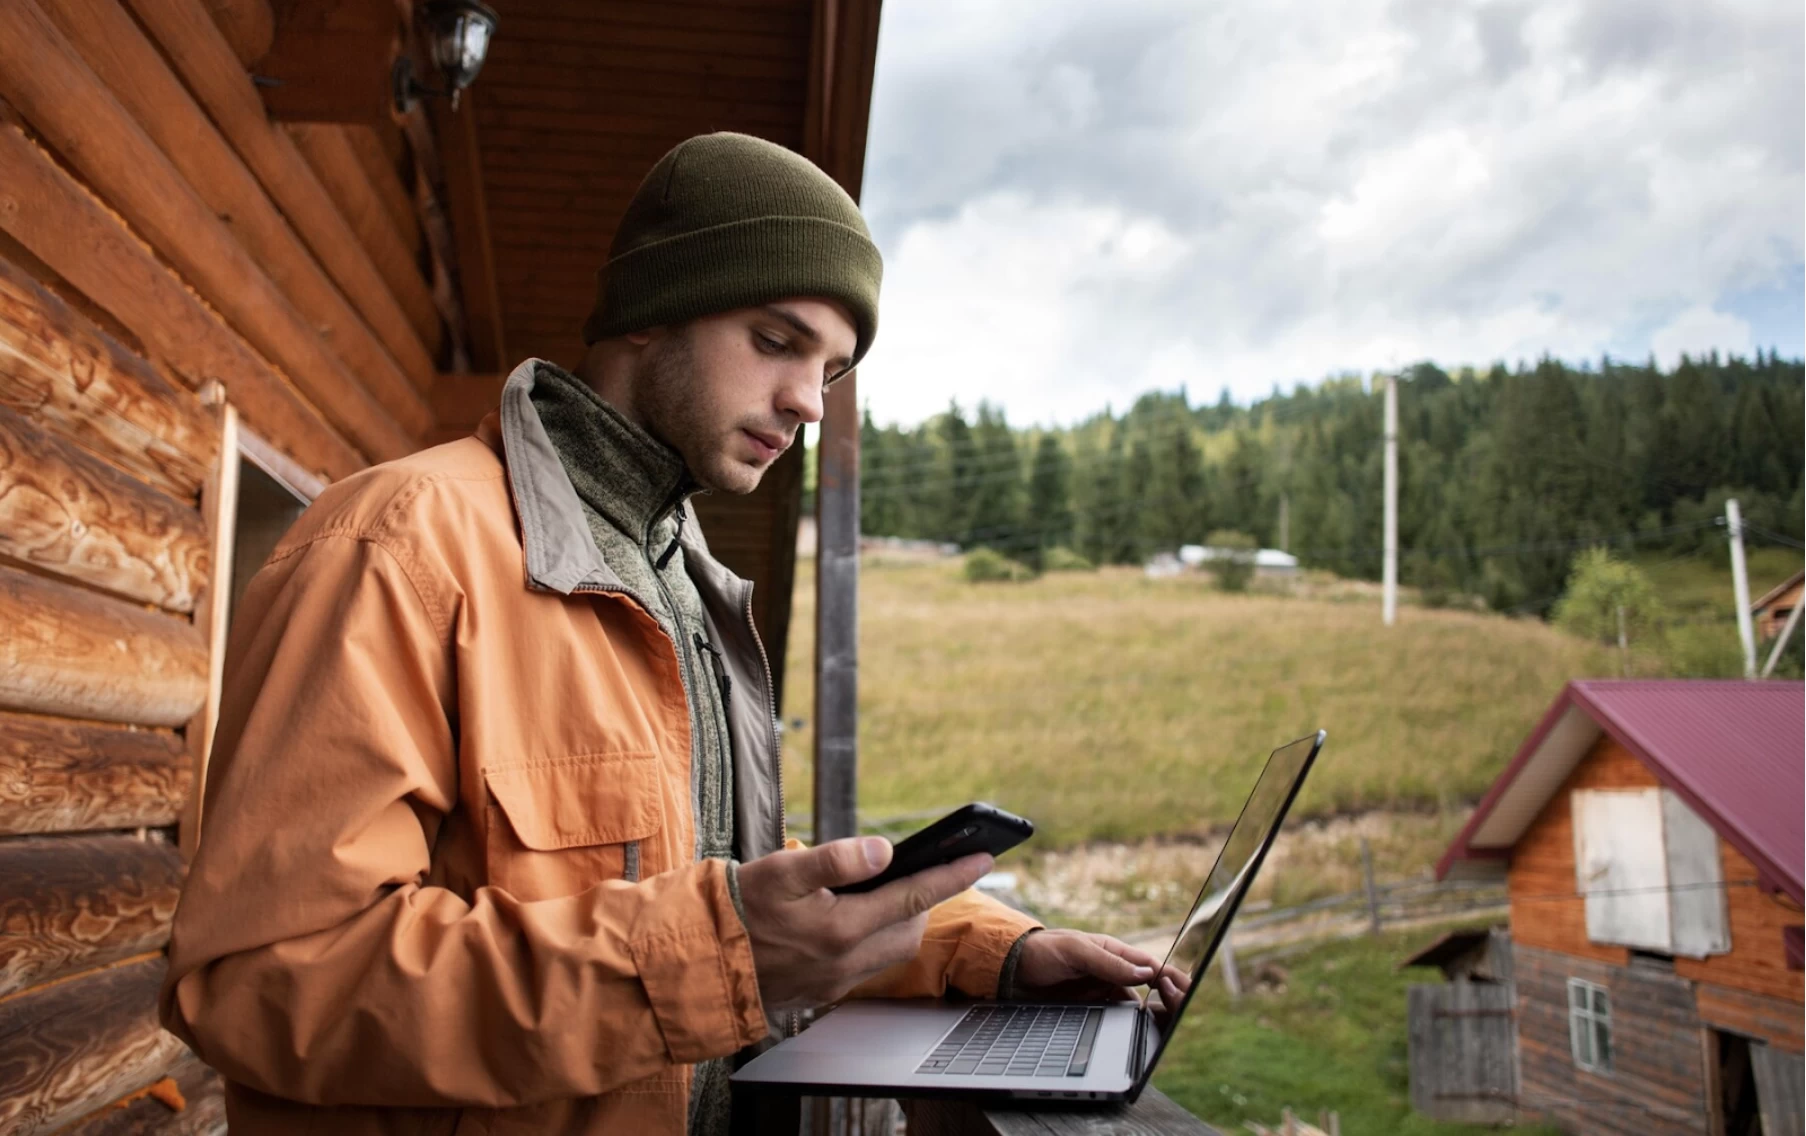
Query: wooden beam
x,y
373,155
67,375
73,903
328,151
62,776
70,651
71,1048
75,233
461,161
46,80
842,55
205,63
428,204
330,61
141,1113
219,504
248,25
364,326
66,512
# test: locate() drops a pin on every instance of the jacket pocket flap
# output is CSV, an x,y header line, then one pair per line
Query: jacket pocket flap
x,y
565,802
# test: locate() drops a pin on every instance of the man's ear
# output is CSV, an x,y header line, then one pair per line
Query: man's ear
x,y
642,338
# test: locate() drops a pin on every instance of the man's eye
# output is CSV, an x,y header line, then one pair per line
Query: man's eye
x,y
769,345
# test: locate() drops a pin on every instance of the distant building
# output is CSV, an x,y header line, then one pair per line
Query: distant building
x,y
1772,610
1267,561
1651,836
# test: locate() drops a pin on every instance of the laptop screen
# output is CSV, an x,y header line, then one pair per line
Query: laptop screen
x,y
1204,927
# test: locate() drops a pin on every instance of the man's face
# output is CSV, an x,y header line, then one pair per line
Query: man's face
x,y
730,392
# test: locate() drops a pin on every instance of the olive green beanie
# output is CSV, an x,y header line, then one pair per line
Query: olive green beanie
x,y
729,221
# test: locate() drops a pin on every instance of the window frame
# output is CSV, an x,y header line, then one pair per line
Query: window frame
x,y
1587,1023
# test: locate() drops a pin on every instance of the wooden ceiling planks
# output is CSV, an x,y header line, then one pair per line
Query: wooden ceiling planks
x,y
576,103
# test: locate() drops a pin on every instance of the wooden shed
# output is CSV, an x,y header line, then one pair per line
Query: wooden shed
x,y
229,274
1651,834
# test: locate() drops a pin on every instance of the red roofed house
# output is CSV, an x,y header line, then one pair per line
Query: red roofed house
x,y
1651,835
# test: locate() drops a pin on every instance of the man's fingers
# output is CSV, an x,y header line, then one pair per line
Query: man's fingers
x,y
838,862
1092,959
1123,950
911,896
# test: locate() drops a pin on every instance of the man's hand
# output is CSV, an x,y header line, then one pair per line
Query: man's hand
x,y
1078,966
811,946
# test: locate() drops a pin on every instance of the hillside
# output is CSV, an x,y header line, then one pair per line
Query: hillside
x,y
1109,706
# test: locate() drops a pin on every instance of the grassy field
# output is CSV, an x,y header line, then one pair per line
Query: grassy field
x,y
1109,706
1696,590
1334,1038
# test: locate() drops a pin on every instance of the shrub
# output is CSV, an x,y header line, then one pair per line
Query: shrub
x,y
1598,586
1059,558
1233,563
986,565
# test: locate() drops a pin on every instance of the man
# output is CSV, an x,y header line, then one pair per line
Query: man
x,y
494,831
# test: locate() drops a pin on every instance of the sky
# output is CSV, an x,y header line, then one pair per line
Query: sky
x,y
1079,201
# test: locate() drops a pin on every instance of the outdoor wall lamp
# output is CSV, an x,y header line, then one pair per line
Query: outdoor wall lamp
x,y
457,35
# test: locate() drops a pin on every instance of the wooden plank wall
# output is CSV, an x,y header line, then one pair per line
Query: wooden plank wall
x,y
1658,1082
1547,913
1462,1050
165,250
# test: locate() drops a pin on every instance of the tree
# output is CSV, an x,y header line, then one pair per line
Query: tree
x,y
1601,586
993,493
1049,516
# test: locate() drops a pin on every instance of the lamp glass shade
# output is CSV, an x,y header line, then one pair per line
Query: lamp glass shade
x,y
460,31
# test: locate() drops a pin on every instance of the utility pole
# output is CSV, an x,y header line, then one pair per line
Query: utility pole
x,y
1740,585
1285,522
1389,571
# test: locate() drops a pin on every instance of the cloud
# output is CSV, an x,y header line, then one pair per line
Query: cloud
x,y
1126,193
1697,331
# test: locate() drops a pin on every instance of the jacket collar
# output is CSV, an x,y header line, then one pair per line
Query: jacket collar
x,y
561,554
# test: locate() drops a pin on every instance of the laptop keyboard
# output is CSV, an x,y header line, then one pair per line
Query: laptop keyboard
x,y
1018,1041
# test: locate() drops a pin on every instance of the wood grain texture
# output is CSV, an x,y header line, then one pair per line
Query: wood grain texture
x,y
73,903
67,512
381,172
57,775
140,1114
248,25
461,163
1153,1115
1658,1079
398,350
353,324
329,153
1546,910
219,505
72,652
65,374
72,1048
45,79
76,234
1757,961
330,60
1774,1020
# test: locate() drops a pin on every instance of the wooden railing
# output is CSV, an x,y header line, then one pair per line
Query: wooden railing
x,y
1153,1115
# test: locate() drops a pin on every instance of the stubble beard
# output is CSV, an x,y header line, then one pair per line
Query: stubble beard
x,y
668,393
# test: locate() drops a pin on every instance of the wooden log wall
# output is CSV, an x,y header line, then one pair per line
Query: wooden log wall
x,y
1658,1082
171,261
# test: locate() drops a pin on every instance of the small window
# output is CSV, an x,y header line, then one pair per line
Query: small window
x,y
1590,1025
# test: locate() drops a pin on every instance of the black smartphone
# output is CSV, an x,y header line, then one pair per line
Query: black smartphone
x,y
976,827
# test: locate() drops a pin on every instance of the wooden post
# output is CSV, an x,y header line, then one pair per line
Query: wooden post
x,y
837,616
1232,977
1373,894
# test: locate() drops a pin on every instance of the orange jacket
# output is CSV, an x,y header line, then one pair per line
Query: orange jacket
x,y
445,881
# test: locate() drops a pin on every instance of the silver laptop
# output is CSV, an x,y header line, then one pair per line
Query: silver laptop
x,y
1020,1050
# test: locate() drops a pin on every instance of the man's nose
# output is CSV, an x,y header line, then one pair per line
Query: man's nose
x,y
801,398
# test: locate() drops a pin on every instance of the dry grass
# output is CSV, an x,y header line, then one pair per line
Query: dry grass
x,y
1109,706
